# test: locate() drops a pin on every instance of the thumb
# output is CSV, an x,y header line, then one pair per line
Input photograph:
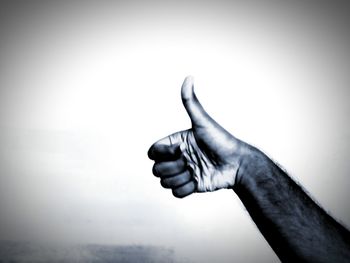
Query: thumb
x,y
195,110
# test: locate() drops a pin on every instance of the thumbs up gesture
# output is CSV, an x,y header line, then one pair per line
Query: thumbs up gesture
x,y
204,158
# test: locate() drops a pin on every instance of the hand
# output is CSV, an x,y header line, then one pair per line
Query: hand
x,y
202,159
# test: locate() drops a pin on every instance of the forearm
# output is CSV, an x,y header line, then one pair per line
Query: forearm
x,y
297,229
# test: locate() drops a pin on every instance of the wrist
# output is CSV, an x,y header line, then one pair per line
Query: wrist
x,y
252,163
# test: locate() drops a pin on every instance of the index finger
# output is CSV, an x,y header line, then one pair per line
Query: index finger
x,y
163,152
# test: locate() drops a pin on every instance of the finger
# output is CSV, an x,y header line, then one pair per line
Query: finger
x,y
177,180
195,110
170,168
184,190
164,152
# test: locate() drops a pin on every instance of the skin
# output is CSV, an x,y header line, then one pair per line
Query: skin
x,y
208,158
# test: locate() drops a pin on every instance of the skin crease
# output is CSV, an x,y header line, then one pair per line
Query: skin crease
x,y
207,158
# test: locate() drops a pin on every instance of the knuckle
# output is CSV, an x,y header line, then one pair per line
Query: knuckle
x,y
177,194
155,170
150,153
164,183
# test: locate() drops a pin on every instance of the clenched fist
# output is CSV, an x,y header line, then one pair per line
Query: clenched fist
x,y
204,158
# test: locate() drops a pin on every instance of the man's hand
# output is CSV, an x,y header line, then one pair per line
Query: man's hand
x,y
201,159
206,158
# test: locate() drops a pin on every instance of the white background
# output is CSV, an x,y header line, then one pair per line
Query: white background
x,y
86,88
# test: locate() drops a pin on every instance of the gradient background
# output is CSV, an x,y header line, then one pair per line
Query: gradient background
x,y
87,87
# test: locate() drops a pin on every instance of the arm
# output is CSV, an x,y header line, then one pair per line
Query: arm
x,y
207,158
296,228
